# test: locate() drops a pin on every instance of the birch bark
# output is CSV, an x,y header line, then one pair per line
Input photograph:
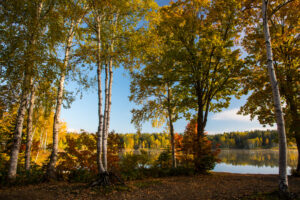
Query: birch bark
x,y
51,172
12,168
104,140
100,115
29,130
283,180
108,92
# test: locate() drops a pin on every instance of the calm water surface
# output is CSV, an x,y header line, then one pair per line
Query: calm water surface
x,y
264,161
253,161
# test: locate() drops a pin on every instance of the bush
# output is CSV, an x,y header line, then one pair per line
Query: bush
x,y
78,163
164,159
133,166
81,175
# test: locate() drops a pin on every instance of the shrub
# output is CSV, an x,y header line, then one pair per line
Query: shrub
x,y
164,159
78,163
133,166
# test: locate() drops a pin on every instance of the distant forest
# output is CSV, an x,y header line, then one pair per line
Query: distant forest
x,y
246,140
234,140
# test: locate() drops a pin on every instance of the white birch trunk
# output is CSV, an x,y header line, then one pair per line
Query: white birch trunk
x,y
283,180
29,130
105,128
108,92
100,126
69,41
53,158
12,168
108,110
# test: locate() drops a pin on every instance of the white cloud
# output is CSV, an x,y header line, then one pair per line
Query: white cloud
x,y
231,115
72,130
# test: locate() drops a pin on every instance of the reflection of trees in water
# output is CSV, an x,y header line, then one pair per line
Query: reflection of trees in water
x,y
256,157
152,154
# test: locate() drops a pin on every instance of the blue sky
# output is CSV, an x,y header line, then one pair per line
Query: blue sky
x,y
83,112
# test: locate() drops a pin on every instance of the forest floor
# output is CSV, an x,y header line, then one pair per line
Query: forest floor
x,y
213,186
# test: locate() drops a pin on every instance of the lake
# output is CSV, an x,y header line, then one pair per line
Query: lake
x,y
262,161
253,161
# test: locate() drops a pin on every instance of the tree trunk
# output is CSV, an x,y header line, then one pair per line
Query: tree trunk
x,y
174,165
298,148
294,127
171,129
51,171
29,130
101,169
108,91
200,132
12,169
200,128
104,140
283,180
108,113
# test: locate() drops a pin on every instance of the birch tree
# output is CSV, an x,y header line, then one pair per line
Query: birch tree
x,y
33,19
283,180
112,23
283,18
74,13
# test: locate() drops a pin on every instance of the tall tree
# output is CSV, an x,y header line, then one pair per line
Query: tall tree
x,y
30,17
113,23
154,88
201,38
153,85
283,17
98,17
73,12
283,180
108,80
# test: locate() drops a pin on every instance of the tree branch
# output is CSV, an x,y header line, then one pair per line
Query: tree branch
x,y
280,6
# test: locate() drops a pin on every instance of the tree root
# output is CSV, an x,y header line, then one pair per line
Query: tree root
x,y
107,179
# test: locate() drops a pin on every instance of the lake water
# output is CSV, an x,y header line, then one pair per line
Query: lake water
x,y
264,161
253,161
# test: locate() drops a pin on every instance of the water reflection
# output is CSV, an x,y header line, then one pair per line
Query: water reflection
x,y
241,161
253,161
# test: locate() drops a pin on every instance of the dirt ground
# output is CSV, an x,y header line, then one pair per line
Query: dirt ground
x,y
213,186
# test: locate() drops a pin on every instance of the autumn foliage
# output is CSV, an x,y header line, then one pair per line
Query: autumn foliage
x,y
202,156
79,156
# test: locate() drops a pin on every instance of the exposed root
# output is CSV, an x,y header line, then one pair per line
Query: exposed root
x,y
107,179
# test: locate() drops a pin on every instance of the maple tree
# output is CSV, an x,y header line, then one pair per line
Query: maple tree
x,y
199,36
